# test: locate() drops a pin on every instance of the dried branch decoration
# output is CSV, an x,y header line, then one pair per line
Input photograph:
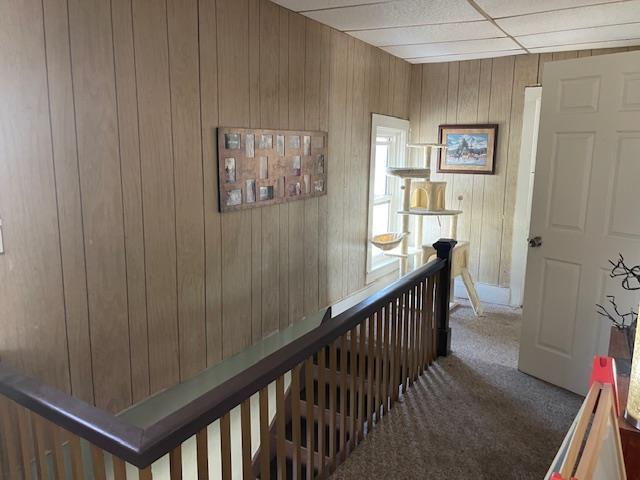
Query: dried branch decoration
x,y
630,281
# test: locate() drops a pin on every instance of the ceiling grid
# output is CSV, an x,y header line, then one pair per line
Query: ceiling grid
x,y
428,31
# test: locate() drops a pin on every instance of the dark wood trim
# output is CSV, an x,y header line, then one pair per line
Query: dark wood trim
x,y
141,447
101,428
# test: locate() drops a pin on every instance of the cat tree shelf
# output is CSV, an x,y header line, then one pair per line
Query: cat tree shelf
x,y
408,172
428,213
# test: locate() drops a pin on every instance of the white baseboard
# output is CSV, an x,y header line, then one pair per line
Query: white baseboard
x,y
487,293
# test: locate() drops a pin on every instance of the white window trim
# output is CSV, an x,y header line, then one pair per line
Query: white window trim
x,y
384,121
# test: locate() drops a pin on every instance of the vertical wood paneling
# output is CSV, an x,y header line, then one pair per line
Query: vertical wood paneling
x,y
111,200
492,219
65,161
467,112
212,221
125,71
283,209
525,73
344,246
188,180
233,94
269,108
323,202
355,228
256,215
296,210
313,41
102,208
336,164
475,234
158,195
254,121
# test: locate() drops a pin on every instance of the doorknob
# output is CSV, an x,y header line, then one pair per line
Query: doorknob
x,y
535,241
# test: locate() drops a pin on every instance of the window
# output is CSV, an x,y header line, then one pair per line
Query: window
x,y
388,148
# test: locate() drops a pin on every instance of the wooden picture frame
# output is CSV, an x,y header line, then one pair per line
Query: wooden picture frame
x,y
470,149
260,167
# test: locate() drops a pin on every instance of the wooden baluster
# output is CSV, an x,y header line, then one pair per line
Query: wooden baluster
x,y
145,473
225,445
58,452
395,355
26,443
416,330
420,317
370,364
280,429
8,433
245,435
405,341
362,334
333,400
265,449
97,463
379,351
39,428
175,463
295,422
322,365
432,322
202,454
385,361
410,338
343,398
75,452
353,360
425,324
119,469
309,398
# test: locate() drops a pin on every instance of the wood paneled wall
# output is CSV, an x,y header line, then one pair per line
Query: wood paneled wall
x,y
120,277
481,91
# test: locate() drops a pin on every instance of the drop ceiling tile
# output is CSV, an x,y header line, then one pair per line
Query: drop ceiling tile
x,y
583,17
585,35
449,48
588,46
429,33
508,8
397,14
302,5
465,56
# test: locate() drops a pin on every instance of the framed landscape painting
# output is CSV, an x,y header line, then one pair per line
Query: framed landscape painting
x,y
470,149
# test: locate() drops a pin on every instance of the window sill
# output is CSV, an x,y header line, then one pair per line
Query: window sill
x,y
385,267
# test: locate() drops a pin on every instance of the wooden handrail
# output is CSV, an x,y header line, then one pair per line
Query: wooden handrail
x,y
142,446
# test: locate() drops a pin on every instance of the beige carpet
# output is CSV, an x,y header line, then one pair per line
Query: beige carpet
x,y
472,416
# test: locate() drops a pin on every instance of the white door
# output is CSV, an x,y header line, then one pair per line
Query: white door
x,y
586,209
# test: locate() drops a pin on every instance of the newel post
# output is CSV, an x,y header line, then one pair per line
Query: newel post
x,y
444,248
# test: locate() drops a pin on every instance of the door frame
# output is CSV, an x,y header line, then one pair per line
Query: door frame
x,y
524,191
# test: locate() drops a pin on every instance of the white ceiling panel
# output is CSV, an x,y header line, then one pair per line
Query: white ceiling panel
x,y
302,5
426,31
586,35
449,48
397,14
508,8
465,56
587,46
429,33
584,17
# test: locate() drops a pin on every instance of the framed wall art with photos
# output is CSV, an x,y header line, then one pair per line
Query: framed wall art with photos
x,y
259,167
470,149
